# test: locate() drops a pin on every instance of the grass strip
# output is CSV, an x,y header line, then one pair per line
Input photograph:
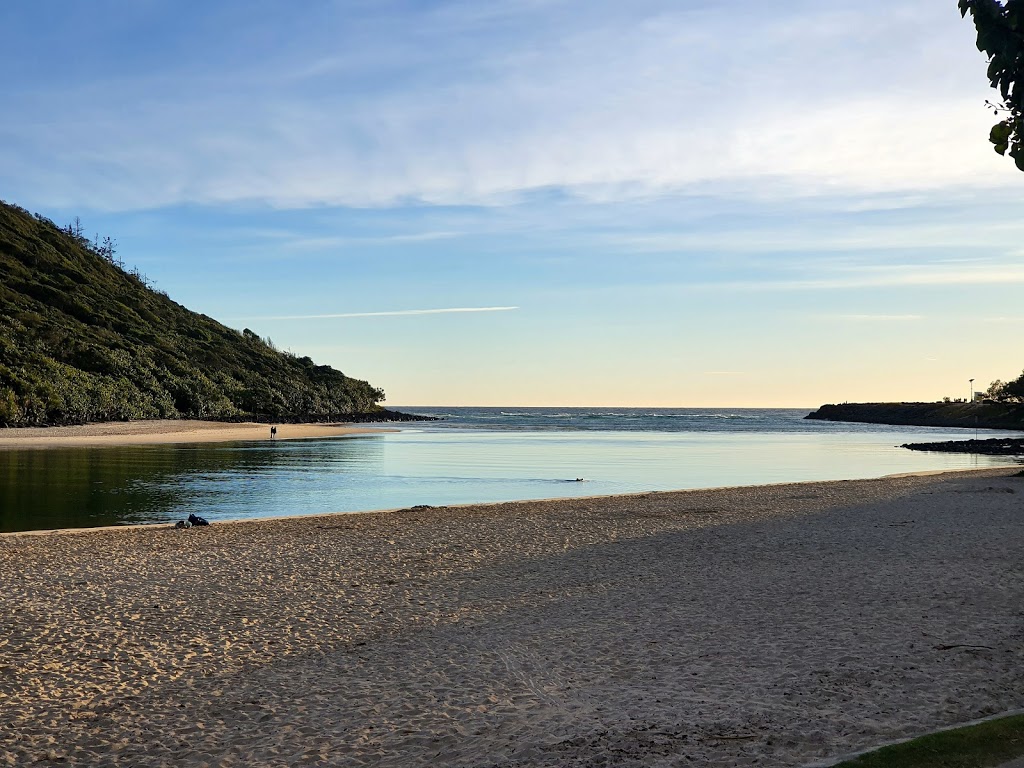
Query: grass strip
x,y
974,746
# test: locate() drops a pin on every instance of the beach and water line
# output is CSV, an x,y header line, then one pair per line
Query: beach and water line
x,y
773,624
770,625
153,472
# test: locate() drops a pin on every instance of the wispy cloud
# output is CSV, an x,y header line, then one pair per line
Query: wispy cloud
x,y
319,243
1003,320
878,318
809,235
882,277
390,313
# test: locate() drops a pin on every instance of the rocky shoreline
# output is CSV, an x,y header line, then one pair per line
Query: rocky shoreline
x,y
384,416
1000,446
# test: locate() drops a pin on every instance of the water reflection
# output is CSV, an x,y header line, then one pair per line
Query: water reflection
x,y
85,487
82,487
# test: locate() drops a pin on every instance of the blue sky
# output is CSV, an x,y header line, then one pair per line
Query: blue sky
x,y
648,203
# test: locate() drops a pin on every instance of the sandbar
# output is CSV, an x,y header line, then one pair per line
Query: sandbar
x,y
769,625
166,431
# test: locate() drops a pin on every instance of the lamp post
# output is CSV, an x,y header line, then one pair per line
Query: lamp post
x,y
972,391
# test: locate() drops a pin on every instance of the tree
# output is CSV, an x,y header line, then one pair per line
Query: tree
x,y
1000,26
995,390
1014,390
75,229
108,248
1007,391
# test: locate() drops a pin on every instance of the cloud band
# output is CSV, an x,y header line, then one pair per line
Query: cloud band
x,y
392,313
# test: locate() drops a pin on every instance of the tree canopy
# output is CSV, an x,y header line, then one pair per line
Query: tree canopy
x,y
1000,27
1007,391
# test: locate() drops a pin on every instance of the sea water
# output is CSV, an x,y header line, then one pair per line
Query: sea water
x,y
471,455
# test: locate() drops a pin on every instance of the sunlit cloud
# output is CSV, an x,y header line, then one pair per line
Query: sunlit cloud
x,y
390,313
604,102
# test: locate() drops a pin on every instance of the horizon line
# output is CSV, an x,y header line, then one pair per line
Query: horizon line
x,y
391,406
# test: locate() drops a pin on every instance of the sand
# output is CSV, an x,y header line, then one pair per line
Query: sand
x,y
165,431
769,626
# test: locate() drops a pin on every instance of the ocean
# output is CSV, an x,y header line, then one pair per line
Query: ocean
x,y
471,455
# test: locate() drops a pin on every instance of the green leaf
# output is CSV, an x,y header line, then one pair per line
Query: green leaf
x,y
1000,135
1001,131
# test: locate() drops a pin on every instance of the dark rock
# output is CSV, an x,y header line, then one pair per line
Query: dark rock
x,y
1000,446
384,415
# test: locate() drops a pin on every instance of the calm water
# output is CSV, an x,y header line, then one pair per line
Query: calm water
x,y
474,455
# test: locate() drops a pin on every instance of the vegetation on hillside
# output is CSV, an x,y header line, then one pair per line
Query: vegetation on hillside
x,y
83,339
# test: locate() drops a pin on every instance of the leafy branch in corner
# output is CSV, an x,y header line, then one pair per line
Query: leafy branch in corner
x,y
1000,27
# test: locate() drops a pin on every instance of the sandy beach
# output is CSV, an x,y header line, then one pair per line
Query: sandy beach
x,y
770,626
165,431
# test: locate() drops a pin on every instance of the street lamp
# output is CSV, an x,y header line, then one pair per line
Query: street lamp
x,y
972,391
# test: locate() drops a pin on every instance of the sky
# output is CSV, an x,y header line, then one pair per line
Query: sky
x,y
544,202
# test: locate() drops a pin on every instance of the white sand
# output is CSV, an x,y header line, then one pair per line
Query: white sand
x,y
165,431
751,626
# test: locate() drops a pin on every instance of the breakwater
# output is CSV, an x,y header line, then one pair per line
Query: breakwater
x,y
966,415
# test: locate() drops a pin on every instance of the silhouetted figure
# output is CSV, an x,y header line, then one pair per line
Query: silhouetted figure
x,y
273,432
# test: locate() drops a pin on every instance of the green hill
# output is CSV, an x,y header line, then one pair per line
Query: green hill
x,y
82,339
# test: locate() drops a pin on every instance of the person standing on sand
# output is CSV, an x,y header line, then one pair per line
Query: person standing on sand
x,y
273,432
